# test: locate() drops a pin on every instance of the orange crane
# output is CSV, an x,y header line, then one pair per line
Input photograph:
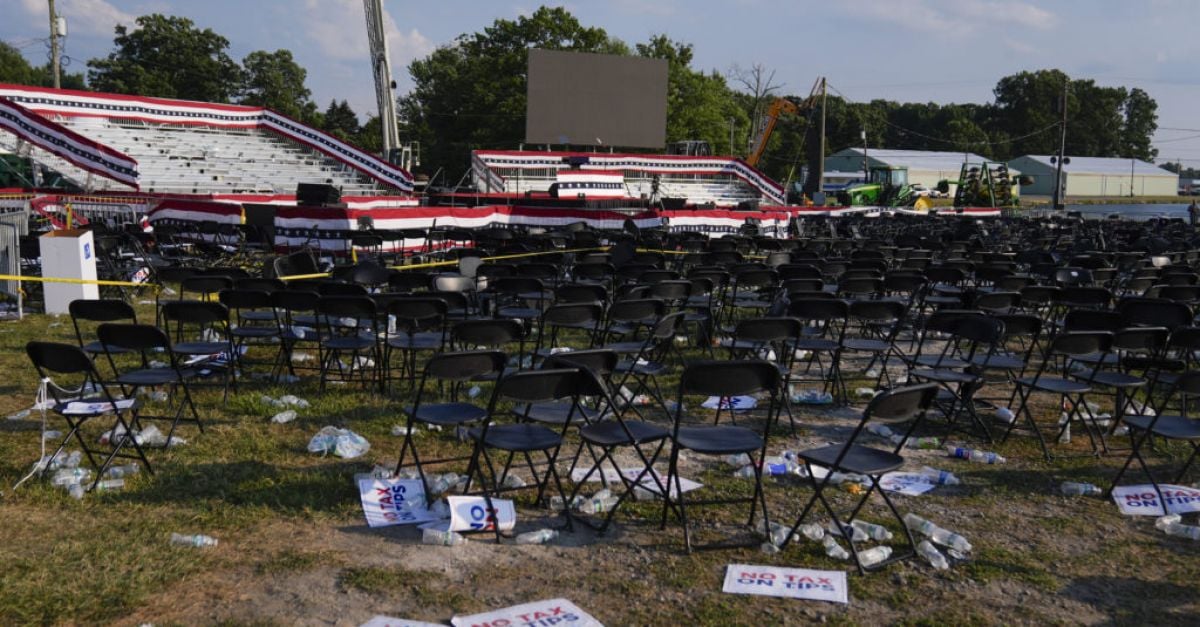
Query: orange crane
x,y
765,125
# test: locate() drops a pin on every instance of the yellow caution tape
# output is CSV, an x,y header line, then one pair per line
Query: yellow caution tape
x,y
44,279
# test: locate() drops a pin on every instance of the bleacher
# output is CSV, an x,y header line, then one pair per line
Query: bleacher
x,y
235,154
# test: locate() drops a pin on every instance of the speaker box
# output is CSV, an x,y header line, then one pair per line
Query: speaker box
x,y
317,195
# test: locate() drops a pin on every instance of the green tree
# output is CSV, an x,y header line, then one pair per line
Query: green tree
x,y
471,94
168,57
274,80
15,69
1141,121
1027,104
699,105
340,121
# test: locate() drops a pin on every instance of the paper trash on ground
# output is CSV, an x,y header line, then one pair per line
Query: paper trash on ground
x,y
736,403
388,621
648,480
793,583
84,408
393,502
1142,500
470,513
551,612
908,483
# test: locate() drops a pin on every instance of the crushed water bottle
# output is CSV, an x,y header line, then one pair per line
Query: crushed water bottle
x,y
1071,488
937,534
926,443
601,502
940,477
1172,526
737,461
110,484
882,431
513,482
769,548
541,536
284,417
935,558
442,483
974,455
1005,415
439,537
874,555
197,540
873,531
67,476
848,531
833,549
812,531
117,472
864,392
557,503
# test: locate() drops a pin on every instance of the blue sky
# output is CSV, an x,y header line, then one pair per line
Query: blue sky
x,y
908,50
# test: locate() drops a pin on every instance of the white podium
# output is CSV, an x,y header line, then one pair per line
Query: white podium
x,y
68,254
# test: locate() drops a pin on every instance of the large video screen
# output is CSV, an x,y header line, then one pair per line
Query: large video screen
x,y
596,100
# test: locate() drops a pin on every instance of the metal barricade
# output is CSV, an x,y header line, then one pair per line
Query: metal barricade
x,y
14,223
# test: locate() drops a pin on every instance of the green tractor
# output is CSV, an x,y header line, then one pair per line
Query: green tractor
x,y
887,186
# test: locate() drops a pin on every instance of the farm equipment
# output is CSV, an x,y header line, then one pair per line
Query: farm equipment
x,y
887,186
986,184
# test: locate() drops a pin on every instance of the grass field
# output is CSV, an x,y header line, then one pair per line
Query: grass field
x,y
294,548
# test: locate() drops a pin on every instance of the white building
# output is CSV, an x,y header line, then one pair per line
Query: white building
x,y
925,167
1097,176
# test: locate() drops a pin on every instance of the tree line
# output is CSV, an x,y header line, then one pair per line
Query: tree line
x,y
470,95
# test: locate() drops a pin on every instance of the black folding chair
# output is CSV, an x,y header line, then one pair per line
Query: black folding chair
x,y
97,311
893,406
721,379
199,332
348,327
145,341
1179,427
70,361
452,371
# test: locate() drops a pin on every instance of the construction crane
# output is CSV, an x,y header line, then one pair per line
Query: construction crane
x,y
381,68
765,125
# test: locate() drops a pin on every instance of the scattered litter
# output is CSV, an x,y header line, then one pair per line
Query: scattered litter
x,y
301,357
794,583
940,477
284,417
882,431
1172,525
437,537
833,549
404,430
110,484
540,613
388,502
847,531
601,502
735,403
471,513
439,484
813,397
873,531
939,535
557,504
974,455
117,472
924,443
380,620
196,540
341,442
541,536
1142,500
907,483
51,434
1005,415
737,461
865,392
474,391
513,482
874,555
1071,488
932,555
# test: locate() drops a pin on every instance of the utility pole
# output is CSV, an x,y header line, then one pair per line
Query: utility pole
x,y
1062,147
821,161
55,34
866,169
731,149
1131,165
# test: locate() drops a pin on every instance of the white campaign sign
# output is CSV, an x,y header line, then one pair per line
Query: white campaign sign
x,y
82,408
792,583
393,502
908,483
539,614
470,513
1142,500
736,403
388,621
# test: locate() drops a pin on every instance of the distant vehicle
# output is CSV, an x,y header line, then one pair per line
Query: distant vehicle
x,y
921,190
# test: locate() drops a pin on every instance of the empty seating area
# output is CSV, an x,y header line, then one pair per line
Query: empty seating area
x,y
190,159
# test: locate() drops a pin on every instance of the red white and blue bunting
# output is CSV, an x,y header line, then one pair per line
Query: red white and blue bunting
x,y
67,144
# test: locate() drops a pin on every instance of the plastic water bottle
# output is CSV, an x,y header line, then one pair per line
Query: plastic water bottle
x,y
513,482
874,555
812,531
848,531
438,537
745,472
596,505
940,477
76,491
833,549
769,548
873,531
284,417
975,455
1172,526
541,536
443,483
1005,415
557,503
935,558
116,472
67,476
937,534
864,392
1071,488
738,461
110,484
882,431
192,540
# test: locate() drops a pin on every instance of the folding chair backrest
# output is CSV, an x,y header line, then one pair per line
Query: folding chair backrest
x,y
900,404
1076,343
417,312
334,288
876,310
979,329
204,285
1155,312
819,309
539,386
58,358
241,298
580,293
492,333
601,361
1187,383
463,366
1141,339
768,329
134,337
196,312
636,310
1185,339
572,313
730,378
1093,320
